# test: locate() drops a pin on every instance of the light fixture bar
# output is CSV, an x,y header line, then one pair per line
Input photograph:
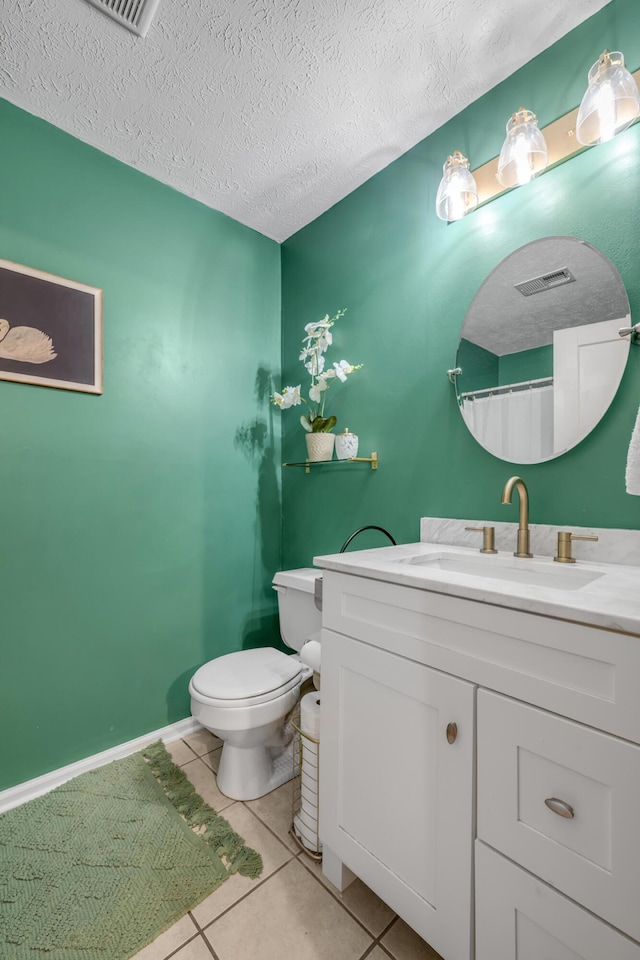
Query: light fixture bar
x,y
560,137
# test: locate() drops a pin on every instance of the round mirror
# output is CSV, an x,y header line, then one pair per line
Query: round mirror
x,y
539,352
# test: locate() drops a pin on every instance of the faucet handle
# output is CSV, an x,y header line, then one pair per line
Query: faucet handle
x,y
564,546
488,538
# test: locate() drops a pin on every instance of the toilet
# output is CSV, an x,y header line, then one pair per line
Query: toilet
x,y
244,697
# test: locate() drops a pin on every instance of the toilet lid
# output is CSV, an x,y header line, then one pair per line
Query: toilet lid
x,y
246,674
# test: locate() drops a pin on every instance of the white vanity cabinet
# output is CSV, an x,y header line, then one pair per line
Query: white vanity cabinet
x,y
545,710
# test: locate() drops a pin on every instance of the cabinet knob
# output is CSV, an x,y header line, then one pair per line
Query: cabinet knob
x,y
452,732
560,807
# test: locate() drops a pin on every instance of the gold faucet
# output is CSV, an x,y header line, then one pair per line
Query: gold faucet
x,y
523,523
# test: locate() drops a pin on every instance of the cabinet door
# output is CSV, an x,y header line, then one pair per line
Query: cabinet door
x,y
395,795
520,918
561,799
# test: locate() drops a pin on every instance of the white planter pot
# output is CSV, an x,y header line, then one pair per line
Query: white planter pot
x,y
320,446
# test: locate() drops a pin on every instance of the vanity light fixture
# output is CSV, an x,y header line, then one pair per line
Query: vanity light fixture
x,y
524,152
457,194
611,102
610,105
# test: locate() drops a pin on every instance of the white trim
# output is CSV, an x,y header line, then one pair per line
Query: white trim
x,y
23,792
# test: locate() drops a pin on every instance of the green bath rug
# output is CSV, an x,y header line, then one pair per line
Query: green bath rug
x,y
99,867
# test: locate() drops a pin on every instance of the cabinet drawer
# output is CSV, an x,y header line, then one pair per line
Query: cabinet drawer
x,y
588,845
521,918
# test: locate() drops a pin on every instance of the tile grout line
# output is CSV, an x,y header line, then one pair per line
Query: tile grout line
x,y
379,942
294,853
201,930
384,949
375,940
188,746
202,936
247,894
300,857
179,948
387,928
369,951
251,811
345,907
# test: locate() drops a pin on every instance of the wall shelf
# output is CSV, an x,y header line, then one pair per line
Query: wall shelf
x,y
307,464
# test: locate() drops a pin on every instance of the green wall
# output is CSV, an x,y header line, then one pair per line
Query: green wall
x,y
408,279
480,368
526,365
139,530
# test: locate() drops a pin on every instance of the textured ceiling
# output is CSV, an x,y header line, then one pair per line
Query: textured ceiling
x,y
503,321
268,110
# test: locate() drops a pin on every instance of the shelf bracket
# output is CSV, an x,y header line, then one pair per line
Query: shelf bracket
x,y
373,460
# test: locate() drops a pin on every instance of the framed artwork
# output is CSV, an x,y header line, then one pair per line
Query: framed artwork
x,y
50,330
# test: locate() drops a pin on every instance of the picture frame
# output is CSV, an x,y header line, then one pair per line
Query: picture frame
x,y
50,330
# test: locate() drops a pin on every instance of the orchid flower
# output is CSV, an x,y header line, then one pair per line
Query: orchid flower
x,y
317,340
315,366
316,390
290,397
342,369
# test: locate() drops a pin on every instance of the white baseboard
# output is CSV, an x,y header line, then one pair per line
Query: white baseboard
x,y
23,792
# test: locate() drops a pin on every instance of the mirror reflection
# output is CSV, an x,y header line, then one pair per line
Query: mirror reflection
x,y
539,350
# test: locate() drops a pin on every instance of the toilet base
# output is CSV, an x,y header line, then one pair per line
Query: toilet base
x,y
246,773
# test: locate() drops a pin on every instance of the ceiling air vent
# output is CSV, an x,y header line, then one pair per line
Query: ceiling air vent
x,y
547,282
135,15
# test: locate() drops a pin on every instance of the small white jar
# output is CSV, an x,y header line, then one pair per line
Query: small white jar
x,y
346,445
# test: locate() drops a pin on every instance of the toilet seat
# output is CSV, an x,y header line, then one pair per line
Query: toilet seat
x,y
245,678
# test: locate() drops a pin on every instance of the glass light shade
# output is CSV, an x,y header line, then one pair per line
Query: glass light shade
x,y
457,194
524,152
611,102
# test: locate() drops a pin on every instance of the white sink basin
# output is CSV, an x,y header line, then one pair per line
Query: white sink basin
x,y
537,573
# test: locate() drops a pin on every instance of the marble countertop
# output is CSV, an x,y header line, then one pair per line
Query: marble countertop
x,y
611,598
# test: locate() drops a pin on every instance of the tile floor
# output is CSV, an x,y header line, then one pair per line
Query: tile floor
x,y
291,911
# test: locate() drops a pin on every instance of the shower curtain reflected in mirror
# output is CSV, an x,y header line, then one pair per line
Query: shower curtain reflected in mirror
x,y
515,426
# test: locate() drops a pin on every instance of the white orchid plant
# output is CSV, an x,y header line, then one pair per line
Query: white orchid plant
x,y
315,344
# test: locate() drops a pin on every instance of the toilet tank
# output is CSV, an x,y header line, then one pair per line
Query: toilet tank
x,y
300,619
